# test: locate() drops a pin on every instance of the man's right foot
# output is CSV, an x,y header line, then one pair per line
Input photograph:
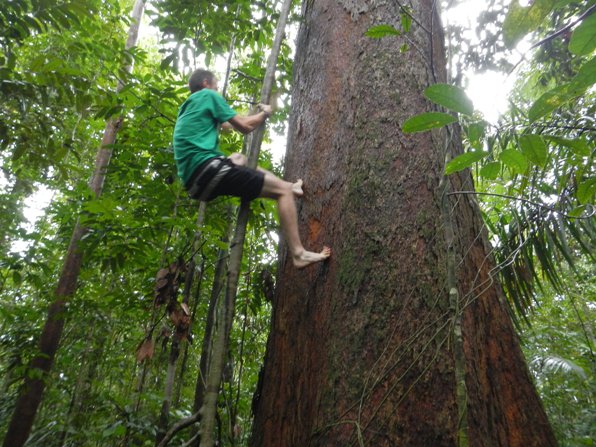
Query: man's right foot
x,y
309,257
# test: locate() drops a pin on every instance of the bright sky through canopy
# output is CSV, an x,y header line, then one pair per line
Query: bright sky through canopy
x,y
487,90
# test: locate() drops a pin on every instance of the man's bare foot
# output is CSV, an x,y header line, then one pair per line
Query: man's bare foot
x,y
309,257
297,188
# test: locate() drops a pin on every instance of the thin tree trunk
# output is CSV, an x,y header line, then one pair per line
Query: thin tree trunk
x,y
186,345
77,413
402,338
175,346
169,386
209,408
219,279
32,391
218,285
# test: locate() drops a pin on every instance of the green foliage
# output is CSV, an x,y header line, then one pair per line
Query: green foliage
x,y
57,88
385,30
559,345
523,20
563,94
378,31
534,149
426,121
464,161
406,20
451,97
583,39
514,160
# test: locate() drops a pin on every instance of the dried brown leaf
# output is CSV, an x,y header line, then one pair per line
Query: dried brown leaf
x,y
185,308
145,350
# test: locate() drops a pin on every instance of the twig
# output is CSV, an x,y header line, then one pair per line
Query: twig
x,y
246,101
411,16
245,76
554,35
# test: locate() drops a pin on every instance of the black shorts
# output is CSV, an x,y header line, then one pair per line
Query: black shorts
x,y
220,177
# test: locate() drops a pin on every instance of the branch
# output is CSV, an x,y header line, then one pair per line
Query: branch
x,y
180,425
565,28
414,19
521,199
554,35
243,100
245,76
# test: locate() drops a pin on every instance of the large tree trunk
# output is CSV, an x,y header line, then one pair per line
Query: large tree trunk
x,y
402,338
31,394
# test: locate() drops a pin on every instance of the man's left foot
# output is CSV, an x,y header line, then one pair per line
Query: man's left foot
x,y
297,188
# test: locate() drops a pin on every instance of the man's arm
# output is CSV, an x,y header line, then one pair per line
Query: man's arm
x,y
247,123
226,127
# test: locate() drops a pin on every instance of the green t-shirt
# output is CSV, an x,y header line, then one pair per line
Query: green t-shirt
x,y
195,135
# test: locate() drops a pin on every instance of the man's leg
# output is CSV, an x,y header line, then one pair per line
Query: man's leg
x,y
240,160
283,192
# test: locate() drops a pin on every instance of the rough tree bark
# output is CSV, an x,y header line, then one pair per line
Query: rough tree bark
x,y
403,337
31,393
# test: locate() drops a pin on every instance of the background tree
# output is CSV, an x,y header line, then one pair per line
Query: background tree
x,y
32,391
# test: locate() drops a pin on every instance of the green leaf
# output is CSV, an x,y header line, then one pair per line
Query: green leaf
x,y
583,39
586,76
586,190
475,131
534,148
578,145
378,31
464,161
550,101
426,121
491,170
406,22
450,97
17,277
562,94
165,63
515,160
522,20
19,151
577,211
114,431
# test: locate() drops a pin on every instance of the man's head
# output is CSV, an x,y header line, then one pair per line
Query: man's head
x,y
201,79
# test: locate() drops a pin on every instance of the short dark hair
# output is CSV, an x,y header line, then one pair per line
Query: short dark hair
x,y
195,82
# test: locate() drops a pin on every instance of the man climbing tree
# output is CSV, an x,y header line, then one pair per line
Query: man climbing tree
x,y
207,173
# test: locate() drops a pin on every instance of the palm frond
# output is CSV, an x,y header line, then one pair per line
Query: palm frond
x,y
554,364
540,245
